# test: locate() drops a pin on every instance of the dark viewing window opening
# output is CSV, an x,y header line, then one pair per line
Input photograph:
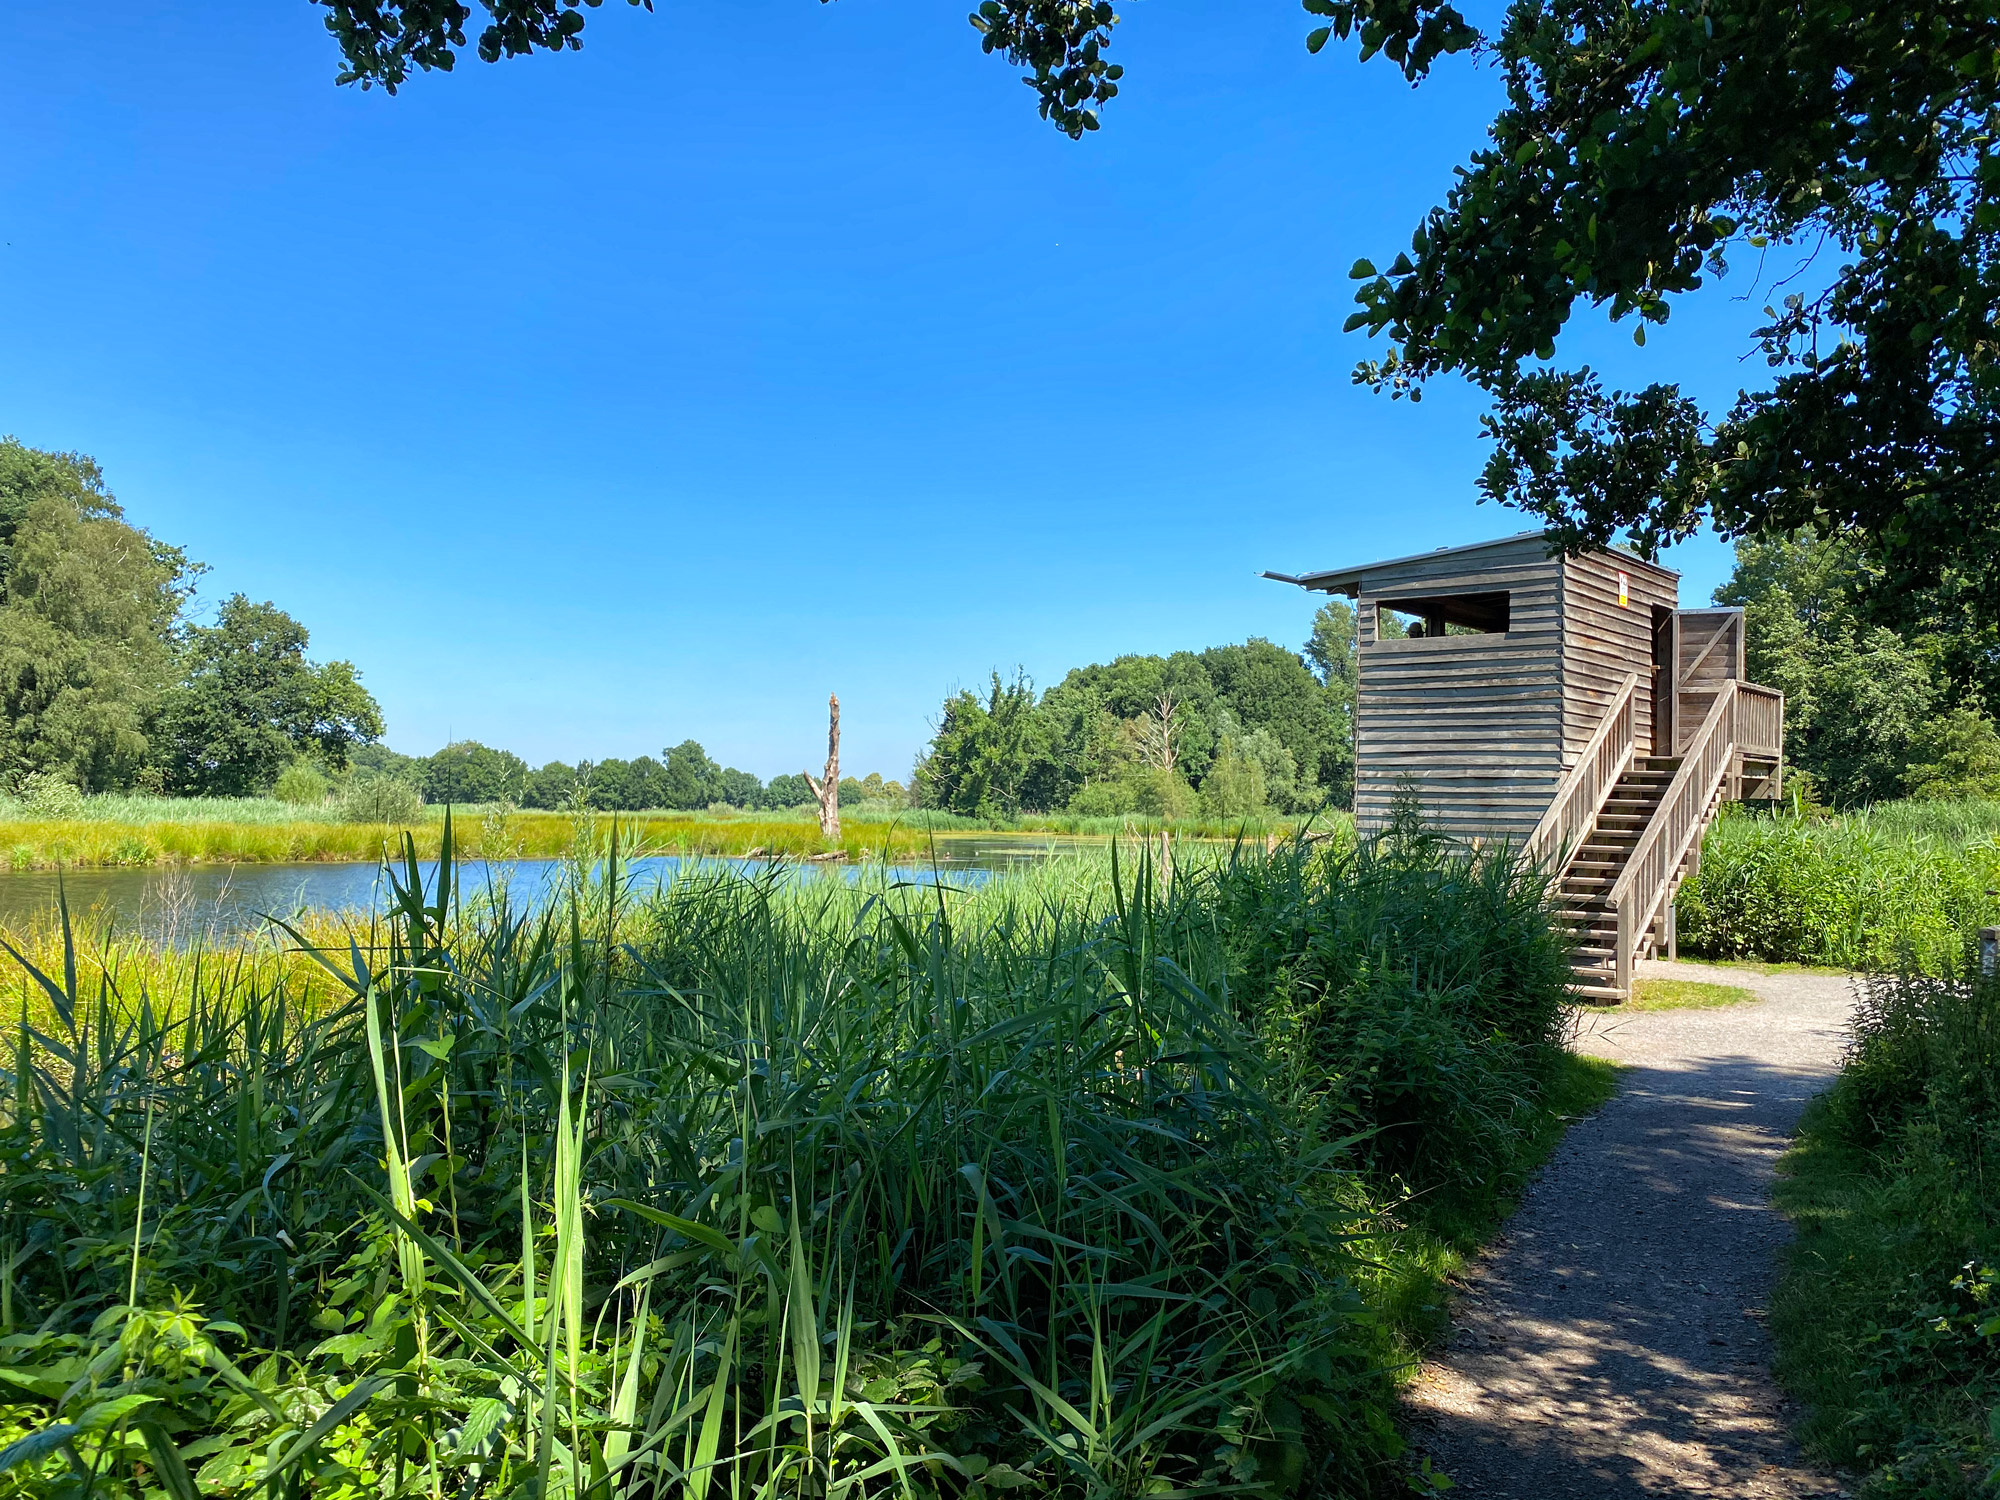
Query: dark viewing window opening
x,y
1446,614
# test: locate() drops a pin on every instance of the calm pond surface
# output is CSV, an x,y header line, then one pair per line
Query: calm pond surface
x,y
183,903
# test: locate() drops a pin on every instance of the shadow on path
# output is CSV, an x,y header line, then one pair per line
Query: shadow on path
x,y
1611,1342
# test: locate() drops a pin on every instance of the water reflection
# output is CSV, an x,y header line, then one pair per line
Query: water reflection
x,y
181,904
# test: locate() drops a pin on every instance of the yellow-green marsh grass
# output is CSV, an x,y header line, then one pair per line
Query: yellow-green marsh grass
x,y
113,830
73,843
130,969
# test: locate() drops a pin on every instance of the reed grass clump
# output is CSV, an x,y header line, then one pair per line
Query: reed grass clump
x,y
1077,1185
1907,885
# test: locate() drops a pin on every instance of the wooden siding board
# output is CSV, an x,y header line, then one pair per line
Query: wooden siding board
x,y
1603,642
1484,726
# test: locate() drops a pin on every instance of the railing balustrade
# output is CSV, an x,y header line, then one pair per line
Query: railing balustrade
x,y
1649,871
1573,812
1760,720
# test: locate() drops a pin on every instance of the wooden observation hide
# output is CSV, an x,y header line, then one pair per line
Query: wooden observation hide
x,y
1554,703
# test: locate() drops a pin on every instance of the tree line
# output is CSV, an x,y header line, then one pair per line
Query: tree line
x,y
1871,713
108,681
683,778
1230,731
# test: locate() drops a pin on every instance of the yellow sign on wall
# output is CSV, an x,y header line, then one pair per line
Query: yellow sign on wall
x,y
1624,591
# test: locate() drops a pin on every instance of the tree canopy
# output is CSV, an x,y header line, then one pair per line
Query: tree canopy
x,y
1231,730
249,703
1644,148
1870,713
106,684
1060,42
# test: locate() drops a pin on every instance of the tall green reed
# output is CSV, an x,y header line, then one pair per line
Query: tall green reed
x,y
1905,886
763,1186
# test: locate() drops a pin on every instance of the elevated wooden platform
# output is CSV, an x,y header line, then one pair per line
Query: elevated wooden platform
x,y
1564,704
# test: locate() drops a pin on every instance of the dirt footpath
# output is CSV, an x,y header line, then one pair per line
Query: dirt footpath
x,y
1610,1342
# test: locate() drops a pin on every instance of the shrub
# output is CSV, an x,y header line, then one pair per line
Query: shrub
x,y
300,784
46,794
375,798
1888,1314
1419,993
1146,790
1234,786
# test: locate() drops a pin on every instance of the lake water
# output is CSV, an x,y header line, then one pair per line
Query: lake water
x,y
178,903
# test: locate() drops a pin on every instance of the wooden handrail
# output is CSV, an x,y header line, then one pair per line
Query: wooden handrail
x,y
1649,871
1581,796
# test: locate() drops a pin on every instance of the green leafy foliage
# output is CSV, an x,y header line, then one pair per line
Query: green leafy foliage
x,y
378,797
467,771
1903,885
1060,42
1887,1319
381,40
1870,714
684,779
250,703
301,784
1142,734
88,605
104,683
1640,148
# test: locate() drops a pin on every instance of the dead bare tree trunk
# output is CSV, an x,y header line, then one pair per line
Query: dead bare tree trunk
x,y
828,790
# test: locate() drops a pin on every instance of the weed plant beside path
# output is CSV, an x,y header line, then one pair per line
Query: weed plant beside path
x,y
1085,1185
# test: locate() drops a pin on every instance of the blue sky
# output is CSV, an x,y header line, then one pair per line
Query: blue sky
x,y
759,350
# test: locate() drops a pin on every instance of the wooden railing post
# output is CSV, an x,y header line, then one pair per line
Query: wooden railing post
x,y
1622,979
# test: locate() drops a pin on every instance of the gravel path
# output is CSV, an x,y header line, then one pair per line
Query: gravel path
x,y
1610,1342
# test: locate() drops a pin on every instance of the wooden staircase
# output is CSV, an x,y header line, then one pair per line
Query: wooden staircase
x,y
1624,829
1598,862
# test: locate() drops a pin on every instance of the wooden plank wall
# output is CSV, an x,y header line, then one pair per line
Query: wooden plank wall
x,y
1472,722
1711,652
1603,641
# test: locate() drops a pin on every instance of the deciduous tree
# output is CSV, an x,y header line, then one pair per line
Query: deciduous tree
x,y
1644,149
692,780
88,607
250,701
1870,714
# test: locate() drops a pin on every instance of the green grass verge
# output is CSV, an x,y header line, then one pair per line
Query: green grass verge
x,y
1678,994
1887,1312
